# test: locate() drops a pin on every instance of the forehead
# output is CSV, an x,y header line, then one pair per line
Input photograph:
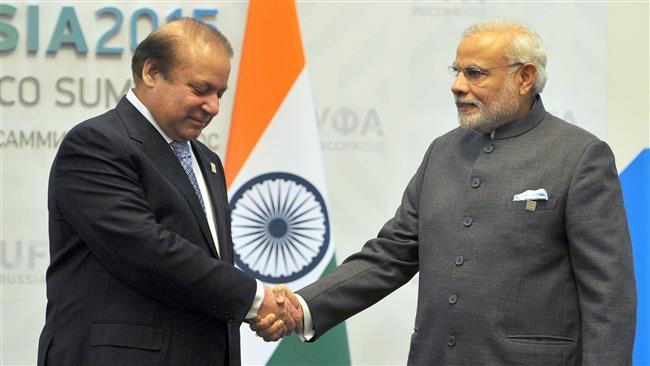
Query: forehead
x,y
209,61
487,49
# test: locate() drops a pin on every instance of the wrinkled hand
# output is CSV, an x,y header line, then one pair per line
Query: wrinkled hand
x,y
294,309
277,317
271,322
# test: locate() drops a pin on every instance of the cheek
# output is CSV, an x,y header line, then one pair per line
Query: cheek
x,y
190,103
483,96
178,105
169,102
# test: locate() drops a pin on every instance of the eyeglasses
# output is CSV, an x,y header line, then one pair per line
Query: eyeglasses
x,y
474,74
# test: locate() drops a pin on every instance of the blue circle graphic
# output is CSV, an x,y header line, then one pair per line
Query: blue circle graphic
x,y
280,227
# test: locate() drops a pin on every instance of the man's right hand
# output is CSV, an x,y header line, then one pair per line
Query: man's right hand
x,y
294,309
277,317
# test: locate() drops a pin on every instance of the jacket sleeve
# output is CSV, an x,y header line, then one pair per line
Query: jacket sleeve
x,y
96,189
601,256
383,265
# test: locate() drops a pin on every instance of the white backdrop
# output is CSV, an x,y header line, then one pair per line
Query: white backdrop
x,y
381,91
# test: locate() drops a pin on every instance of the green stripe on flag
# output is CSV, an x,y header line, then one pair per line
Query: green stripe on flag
x,y
330,349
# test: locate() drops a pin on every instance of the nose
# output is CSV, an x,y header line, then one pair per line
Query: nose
x,y
460,85
211,104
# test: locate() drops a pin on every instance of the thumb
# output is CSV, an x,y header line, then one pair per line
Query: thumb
x,y
280,294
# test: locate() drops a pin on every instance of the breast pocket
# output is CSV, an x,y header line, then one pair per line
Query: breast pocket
x,y
538,226
541,205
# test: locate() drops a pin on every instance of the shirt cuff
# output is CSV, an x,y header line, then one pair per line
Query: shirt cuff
x,y
257,301
308,331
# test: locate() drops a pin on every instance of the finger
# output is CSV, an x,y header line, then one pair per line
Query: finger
x,y
262,323
282,332
280,293
297,316
274,332
270,328
290,323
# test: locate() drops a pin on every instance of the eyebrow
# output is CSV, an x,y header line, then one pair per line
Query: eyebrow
x,y
202,84
470,65
199,83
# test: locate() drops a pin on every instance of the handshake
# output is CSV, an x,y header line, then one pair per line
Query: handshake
x,y
279,315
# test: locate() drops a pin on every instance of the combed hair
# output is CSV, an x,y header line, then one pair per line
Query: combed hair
x,y
525,45
159,46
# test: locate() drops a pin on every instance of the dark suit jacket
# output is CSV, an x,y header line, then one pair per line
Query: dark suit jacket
x,y
501,285
134,277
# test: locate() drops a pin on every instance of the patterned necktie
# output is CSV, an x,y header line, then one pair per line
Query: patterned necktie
x,y
182,151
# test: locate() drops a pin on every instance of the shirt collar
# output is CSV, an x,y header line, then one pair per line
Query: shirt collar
x,y
525,124
133,99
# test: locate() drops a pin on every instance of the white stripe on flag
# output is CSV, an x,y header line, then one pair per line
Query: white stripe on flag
x,y
290,144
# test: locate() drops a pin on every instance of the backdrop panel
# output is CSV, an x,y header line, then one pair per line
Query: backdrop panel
x,y
381,92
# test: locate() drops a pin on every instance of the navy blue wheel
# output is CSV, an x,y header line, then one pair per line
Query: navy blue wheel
x,y
280,227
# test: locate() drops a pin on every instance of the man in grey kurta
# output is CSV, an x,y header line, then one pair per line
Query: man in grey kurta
x,y
544,278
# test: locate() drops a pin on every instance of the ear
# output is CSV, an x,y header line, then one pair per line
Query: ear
x,y
528,76
149,73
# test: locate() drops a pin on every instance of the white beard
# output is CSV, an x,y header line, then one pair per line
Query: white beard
x,y
490,116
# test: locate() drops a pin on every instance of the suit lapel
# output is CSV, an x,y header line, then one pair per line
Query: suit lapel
x,y
157,149
218,197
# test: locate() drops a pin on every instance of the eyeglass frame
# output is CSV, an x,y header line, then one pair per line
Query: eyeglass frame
x,y
455,71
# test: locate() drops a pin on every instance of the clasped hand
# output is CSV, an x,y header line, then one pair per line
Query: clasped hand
x,y
279,315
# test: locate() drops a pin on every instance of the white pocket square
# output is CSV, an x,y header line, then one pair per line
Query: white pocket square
x,y
530,195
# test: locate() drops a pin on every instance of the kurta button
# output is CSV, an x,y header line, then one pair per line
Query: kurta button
x,y
467,221
453,299
451,341
476,182
488,148
460,260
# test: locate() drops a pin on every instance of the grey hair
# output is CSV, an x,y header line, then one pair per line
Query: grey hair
x,y
525,45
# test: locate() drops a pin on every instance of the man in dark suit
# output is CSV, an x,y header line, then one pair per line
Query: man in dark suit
x,y
140,247
515,222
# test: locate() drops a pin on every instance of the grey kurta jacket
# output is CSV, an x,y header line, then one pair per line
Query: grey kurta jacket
x,y
501,284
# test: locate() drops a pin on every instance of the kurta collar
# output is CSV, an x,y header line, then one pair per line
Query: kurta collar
x,y
527,123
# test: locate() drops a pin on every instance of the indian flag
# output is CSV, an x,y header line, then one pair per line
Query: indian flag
x,y
280,220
